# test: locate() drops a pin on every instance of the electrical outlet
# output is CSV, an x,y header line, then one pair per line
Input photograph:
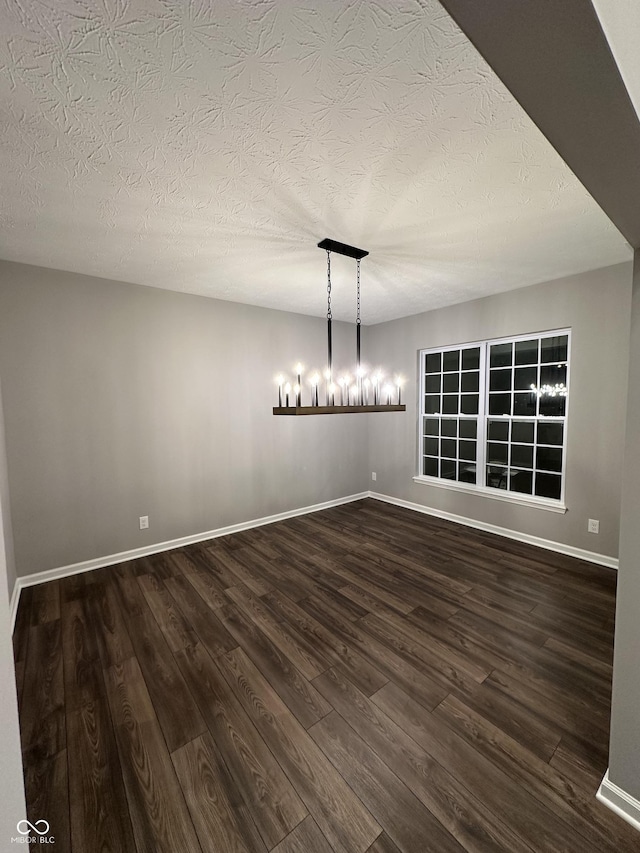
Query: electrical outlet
x,y
373,475
144,522
593,526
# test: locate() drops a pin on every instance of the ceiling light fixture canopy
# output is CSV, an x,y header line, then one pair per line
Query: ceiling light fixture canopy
x,y
357,393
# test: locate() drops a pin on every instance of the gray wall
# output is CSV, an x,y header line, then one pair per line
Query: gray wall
x,y
12,802
122,401
624,752
596,306
7,529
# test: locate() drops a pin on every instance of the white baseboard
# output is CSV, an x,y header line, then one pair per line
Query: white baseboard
x,y
548,544
623,804
135,553
13,605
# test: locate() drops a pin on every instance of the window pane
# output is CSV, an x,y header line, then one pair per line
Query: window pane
x,y
430,467
554,349
448,448
469,404
448,469
524,404
431,404
552,375
431,447
549,458
451,382
449,426
433,362
522,455
501,355
500,404
522,432
498,430
496,477
500,380
432,383
527,352
497,453
552,407
471,381
471,358
431,426
450,404
467,473
468,450
451,360
525,378
550,433
521,481
548,486
468,429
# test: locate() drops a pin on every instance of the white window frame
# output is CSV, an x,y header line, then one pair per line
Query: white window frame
x,y
551,504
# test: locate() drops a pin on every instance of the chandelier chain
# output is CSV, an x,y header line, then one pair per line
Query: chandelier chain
x,y
329,315
358,293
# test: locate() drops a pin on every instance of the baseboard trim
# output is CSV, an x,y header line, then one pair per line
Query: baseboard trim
x,y
13,605
548,544
156,548
616,799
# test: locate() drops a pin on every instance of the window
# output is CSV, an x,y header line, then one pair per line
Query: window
x,y
494,415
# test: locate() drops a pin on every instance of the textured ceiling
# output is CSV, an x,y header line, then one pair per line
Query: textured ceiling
x,y
207,147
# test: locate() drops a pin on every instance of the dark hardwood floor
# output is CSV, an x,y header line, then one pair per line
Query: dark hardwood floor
x,y
360,679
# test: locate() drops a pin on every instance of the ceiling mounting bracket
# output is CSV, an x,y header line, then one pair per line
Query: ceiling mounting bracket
x,y
342,249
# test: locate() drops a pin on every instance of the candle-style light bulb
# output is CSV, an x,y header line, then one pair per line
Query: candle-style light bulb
x,y
332,394
313,380
299,369
287,391
399,382
280,380
387,391
342,382
377,377
366,384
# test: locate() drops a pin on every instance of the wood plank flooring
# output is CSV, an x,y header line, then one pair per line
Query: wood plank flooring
x,y
360,680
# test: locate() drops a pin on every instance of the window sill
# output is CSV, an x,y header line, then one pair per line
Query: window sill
x,y
494,494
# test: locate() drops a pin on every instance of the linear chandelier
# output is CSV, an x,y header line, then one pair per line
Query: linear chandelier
x,y
351,391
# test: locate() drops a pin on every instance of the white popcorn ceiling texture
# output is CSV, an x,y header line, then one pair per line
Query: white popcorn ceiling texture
x,y
208,146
